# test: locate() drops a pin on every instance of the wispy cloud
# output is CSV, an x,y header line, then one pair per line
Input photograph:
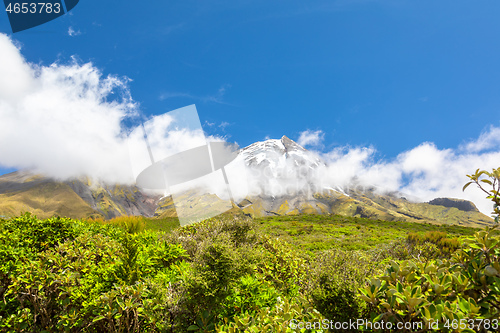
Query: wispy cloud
x,y
167,95
72,32
489,139
218,97
311,138
171,28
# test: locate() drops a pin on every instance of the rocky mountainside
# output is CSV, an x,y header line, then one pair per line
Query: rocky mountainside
x,y
78,198
274,163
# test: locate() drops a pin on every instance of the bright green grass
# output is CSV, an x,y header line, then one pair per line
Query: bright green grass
x,y
166,224
320,232
312,233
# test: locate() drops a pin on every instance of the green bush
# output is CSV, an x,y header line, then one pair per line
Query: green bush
x,y
28,232
282,266
460,294
285,316
335,279
465,287
83,277
433,244
89,276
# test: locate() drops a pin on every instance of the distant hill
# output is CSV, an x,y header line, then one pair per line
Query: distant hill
x,y
81,198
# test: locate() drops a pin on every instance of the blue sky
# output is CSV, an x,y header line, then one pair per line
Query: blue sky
x,y
389,75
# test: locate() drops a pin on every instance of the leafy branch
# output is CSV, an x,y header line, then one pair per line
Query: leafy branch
x,y
493,179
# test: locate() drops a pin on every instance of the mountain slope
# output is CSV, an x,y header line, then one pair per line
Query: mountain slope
x,y
22,192
79,198
284,184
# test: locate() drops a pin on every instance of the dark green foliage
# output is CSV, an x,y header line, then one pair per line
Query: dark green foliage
x,y
216,268
130,268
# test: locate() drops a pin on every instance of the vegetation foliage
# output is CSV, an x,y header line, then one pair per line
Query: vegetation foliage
x,y
457,294
235,274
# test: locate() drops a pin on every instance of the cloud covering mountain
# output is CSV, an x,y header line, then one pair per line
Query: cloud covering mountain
x,y
425,172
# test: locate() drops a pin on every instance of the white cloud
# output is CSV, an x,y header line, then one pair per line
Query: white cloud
x,y
67,120
218,97
489,139
62,120
425,172
72,32
311,138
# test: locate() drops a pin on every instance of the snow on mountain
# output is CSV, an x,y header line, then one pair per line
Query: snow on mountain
x,y
279,154
283,167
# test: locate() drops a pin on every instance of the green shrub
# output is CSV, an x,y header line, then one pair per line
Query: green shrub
x,y
433,244
249,295
62,280
238,230
89,276
282,266
284,316
220,253
335,279
28,232
465,287
216,269
94,282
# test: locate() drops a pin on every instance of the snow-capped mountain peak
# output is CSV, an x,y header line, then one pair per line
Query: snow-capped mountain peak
x,y
280,153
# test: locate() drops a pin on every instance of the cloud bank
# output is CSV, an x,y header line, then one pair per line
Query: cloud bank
x,y
62,120
424,172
